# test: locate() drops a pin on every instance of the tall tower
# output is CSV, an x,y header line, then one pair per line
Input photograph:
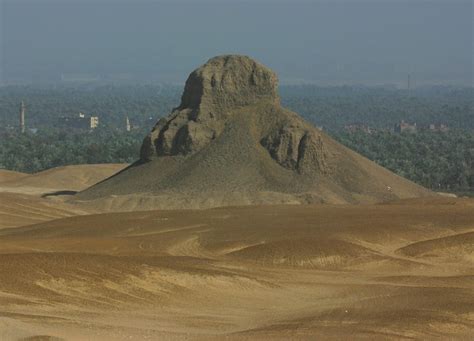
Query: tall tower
x,y
408,82
128,126
22,117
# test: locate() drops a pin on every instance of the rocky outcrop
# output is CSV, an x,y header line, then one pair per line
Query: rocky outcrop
x,y
297,148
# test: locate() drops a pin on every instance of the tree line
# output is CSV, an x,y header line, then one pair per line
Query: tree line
x,y
440,161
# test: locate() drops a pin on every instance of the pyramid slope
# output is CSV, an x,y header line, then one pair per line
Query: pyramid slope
x,y
223,146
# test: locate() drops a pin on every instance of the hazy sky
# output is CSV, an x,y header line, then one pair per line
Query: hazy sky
x,y
326,42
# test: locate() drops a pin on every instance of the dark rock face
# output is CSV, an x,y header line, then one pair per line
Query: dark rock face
x,y
297,148
211,92
313,155
284,145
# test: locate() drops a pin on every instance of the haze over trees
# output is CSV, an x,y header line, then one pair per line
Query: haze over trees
x,y
329,107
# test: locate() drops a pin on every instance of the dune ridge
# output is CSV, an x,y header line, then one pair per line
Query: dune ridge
x,y
260,272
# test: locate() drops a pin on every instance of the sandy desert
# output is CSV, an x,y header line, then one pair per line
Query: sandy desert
x,y
389,271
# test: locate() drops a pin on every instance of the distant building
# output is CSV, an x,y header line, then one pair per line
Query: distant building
x,y
405,127
94,122
128,127
22,117
438,127
81,121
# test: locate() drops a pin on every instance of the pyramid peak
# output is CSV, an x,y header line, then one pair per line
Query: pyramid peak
x,y
229,81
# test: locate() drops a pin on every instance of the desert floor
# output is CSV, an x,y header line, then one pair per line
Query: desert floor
x,y
403,270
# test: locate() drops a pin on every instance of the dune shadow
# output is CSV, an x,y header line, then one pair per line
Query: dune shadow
x,y
59,193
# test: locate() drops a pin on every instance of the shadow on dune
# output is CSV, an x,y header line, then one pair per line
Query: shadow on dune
x,y
59,193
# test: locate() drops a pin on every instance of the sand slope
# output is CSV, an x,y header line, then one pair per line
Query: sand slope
x,y
7,175
66,178
284,272
31,198
22,209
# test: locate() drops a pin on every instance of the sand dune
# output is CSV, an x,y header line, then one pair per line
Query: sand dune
x,y
21,201
333,272
66,178
21,209
7,175
458,247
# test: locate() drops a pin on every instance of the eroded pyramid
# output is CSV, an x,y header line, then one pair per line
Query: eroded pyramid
x,y
230,142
